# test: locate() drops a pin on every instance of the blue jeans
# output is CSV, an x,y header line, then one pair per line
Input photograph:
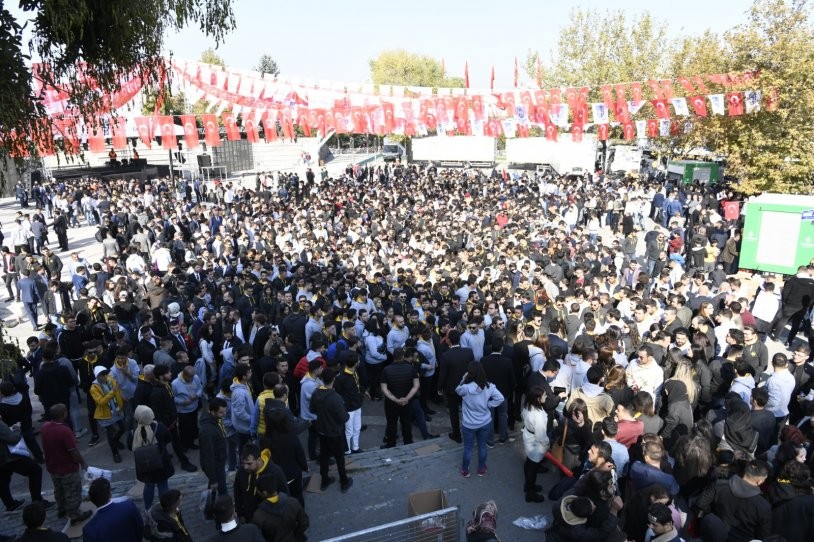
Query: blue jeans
x,y
481,434
501,414
149,492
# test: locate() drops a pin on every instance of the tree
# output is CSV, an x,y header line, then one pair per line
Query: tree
x,y
209,56
267,64
400,67
89,49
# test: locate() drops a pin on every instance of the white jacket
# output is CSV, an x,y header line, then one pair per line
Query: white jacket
x,y
535,438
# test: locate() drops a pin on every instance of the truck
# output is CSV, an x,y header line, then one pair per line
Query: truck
x,y
564,156
688,171
778,233
455,151
625,158
393,150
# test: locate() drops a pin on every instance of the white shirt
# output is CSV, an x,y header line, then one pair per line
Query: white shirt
x,y
647,378
780,387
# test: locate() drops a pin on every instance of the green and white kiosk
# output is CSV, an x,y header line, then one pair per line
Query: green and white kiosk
x,y
778,233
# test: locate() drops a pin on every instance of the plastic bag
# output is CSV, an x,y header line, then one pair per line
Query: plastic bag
x,y
535,523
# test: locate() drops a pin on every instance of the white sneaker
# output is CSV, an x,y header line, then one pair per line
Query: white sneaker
x,y
81,433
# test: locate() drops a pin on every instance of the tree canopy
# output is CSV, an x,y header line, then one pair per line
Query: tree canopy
x,y
89,49
400,67
268,65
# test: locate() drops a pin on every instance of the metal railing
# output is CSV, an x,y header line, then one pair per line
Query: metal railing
x,y
439,526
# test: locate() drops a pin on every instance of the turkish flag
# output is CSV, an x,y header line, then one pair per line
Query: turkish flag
x,y
311,117
508,101
656,88
118,127
525,100
555,98
772,100
522,130
232,131
580,114
662,110
735,101
330,120
652,128
303,123
144,131
466,75
211,132
602,132
629,131
719,78
571,95
732,210
699,83
582,94
409,128
685,82
541,115
252,130
539,97
270,125
551,132
607,95
287,124
477,107
390,117
190,130
636,92
167,126
667,89
699,103
96,139
492,128
619,89
576,134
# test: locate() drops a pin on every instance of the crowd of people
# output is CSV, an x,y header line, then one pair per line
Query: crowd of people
x,y
599,320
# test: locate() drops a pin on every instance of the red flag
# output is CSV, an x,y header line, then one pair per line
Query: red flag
x,y
252,130
190,130
662,111
539,73
699,103
602,132
270,125
516,73
492,80
621,112
636,92
732,210
159,104
330,120
685,82
525,101
522,130
288,124
409,128
571,95
619,88
747,78
580,115
629,131
96,139
492,128
735,101
167,126
477,107
607,95
719,78
144,131
119,130
508,102
576,134
551,132
304,125
311,118
652,128
390,117
656,88
541,114
555,97
232,131
582,94
211,132
466,74
699,83
667,89
772,100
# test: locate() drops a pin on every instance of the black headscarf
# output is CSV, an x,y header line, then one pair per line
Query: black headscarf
x,y
738,427
676,391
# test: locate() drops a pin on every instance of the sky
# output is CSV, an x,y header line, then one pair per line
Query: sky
x,y
335,40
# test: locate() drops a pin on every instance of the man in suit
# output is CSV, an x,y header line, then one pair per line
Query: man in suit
x,y
259,335
114,520
53,264
30,298
61,229
500,372
797,297
454,363
10,275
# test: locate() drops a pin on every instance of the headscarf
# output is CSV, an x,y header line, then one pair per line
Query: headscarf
x,y
143,434
676,391
484,519
738,427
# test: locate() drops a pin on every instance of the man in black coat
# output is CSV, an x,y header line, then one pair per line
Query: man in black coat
x,y
330,424
500,372
541,378
453,365
797,297
163,405
212,440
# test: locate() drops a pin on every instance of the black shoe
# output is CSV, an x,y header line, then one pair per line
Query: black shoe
x,y
15,506
431,436
46,505
81,517
363,428
94,440
386,446
189,467
427,418
326,482
347,485
534,497
456,438
116,457
357,451
542,468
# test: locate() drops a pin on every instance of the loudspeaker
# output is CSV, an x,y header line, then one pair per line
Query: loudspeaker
x,y
204,160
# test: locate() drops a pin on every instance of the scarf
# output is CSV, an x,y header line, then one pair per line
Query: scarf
x,y
112,404
738,429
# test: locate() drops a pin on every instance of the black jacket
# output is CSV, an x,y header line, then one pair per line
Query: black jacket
x,y
331,412
163,404
212,442
793,518
162,439
247,498
453,365
289,453
160,527
247,532
283,521
740,506
500,372
53,384
347,386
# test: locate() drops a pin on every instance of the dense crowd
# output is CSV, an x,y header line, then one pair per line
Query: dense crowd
x,y
600,320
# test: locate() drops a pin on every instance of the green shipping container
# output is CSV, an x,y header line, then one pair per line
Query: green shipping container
x,y
691,170
778,233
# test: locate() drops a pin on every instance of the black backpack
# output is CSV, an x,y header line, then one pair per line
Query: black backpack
x,y
148,456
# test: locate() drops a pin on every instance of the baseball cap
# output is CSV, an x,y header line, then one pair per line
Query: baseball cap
x,y
659,513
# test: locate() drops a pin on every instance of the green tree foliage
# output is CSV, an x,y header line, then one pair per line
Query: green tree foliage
x,y
267,65
209,56
90,47
400,67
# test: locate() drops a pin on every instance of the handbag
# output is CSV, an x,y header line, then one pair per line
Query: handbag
x,y
20,449
148,457
558,448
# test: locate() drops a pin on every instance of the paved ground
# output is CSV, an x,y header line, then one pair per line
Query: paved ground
x,y
382,478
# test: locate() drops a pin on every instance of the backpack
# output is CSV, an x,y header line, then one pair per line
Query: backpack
x,y
334,349
148,456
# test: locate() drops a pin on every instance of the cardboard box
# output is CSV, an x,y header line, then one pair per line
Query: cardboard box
x,y
424,502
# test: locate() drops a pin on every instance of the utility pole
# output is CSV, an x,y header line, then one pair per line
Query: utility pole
x,y
172,172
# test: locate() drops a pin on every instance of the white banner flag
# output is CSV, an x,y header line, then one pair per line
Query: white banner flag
x,y
717,102
752,100
641,129
600,111
680,105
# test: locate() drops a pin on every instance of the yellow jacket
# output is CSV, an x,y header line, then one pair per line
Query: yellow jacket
x,y
101,399
261,405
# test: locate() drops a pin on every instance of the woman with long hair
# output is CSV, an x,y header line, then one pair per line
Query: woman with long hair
x,y
616,386
644,411
535,441
700,363
685,373
479,397
375,356
538,352
579,436
693,460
